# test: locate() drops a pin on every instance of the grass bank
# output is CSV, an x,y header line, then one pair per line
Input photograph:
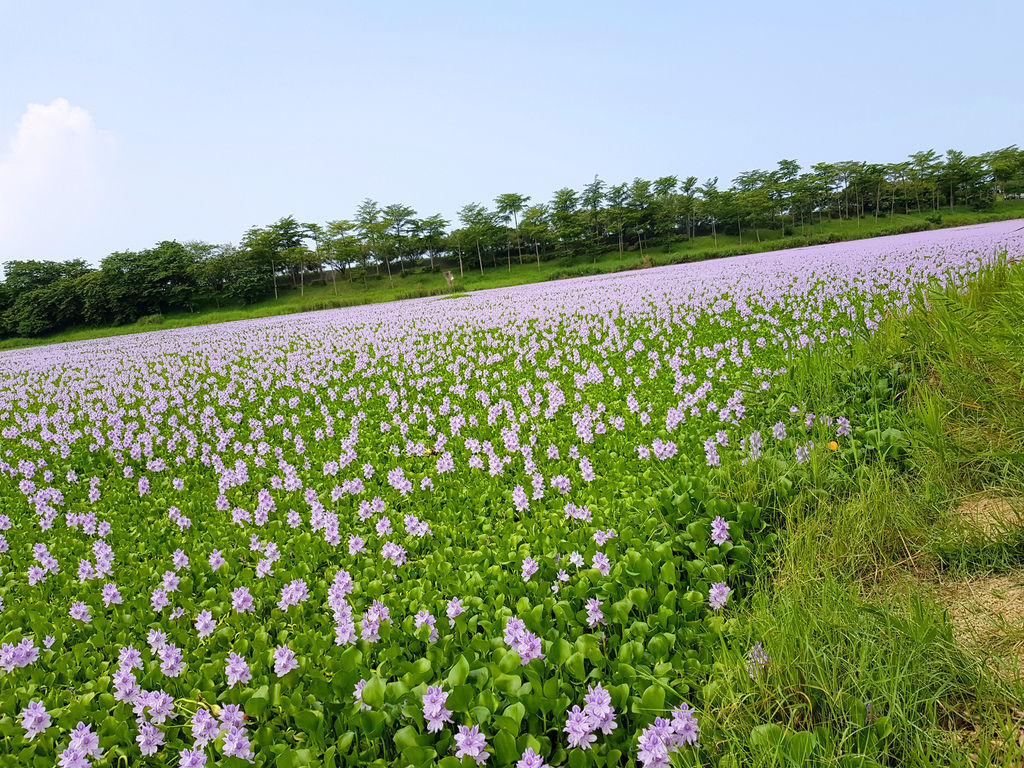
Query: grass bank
x,y
866,657
421,282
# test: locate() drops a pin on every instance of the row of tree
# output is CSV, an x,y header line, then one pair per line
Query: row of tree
x,y
382,243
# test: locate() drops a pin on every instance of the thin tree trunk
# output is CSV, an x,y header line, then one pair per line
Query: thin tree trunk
x,y
480,257
536,246
273,268
519,246
461,273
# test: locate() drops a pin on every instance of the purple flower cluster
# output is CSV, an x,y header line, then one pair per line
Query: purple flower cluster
x,y
658,741
434,710
597,715
522,641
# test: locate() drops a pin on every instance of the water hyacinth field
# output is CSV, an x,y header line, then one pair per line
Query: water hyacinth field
x,y
470,530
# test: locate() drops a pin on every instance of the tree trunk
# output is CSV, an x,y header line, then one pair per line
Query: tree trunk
x,y
461,273
519,247
536,247
479,257
273,269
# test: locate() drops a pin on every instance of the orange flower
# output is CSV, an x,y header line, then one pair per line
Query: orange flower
x,y
833,445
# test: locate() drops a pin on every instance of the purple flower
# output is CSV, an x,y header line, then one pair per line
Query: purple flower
x,y
129,658
150,738
293,593
719,531
284,660
171,663
156,639
237,670
530,567
424,617
231,715
757,660
358,695
236,744
205,624
192,758
241,600
73,758
111,595
216,559
718,594
85,741
34,719
205,727
531,759
594,614
80,612
598,707
455,608
469,741
602,563
434,710
579,727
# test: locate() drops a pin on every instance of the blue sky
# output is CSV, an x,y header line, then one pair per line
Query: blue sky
x,y
122,124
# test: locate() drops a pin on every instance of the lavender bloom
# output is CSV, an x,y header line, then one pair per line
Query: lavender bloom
x,y
241,600
80,612
358,695
470,742
205,727
594,614
531,759
34,719
434,710
719,531
192,758
150,738
455,608
579,727
718,595
284,660
803,453
530,567
237,670
171,663
757,660
205,624
424,617
236,744
598,707
111,595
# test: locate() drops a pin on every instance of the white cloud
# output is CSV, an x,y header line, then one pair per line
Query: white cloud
x,y
53,178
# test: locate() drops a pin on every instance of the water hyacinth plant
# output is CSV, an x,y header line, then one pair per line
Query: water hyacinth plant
x,y
418,533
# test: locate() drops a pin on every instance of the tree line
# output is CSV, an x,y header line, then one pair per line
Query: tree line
x,y
386,242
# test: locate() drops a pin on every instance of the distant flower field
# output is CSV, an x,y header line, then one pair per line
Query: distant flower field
x,y
470,530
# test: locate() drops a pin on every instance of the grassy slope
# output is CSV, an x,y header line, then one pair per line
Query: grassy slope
x,y
420,283
847,612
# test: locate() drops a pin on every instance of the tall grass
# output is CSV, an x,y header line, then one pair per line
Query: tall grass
x,y
863,667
